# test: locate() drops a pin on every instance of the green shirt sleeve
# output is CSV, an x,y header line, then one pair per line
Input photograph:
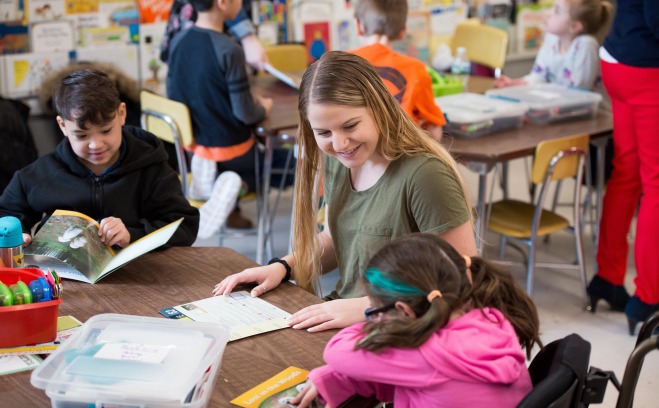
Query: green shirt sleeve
x,y
436,199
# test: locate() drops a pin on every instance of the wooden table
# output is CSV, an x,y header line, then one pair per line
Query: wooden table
x,y
176,276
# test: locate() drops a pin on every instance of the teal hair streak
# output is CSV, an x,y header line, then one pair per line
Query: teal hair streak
x,y
376,278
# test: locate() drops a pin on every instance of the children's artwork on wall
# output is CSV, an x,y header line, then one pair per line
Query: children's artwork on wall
x,y
317,39
12,10
14,38
154,11
347,35
271,18
22,73
530,27
52,36
125,57
496,13
444,18
82,22
81,6
105,36
44,10
122,13
416,42
152,72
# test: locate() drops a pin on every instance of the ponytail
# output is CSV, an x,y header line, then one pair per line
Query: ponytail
x,y
594,15
495,287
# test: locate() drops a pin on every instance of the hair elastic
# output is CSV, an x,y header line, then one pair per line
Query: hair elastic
x,y
467,260
433,294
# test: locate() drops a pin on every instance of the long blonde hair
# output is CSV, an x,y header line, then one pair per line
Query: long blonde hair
x,y
341,78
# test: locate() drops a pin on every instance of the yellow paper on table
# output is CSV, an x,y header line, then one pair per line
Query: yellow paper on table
x,y
269,393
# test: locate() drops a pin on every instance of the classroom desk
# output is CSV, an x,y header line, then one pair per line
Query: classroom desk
x,y
483,153
176,276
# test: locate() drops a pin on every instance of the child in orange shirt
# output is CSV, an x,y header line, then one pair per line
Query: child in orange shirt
x,y
379,23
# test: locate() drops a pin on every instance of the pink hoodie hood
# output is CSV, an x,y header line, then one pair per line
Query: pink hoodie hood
x,y
479,346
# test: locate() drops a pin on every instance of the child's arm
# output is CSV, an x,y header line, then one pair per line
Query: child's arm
x,y
242,29
505,81
585,64
393,366
538,73
243,105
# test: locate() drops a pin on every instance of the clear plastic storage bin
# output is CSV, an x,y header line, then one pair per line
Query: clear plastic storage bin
x,y
473,115
551,102
134,361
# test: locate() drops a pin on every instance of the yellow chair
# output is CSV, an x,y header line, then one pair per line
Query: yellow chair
x,y
170,121
524,223
485,45
287,57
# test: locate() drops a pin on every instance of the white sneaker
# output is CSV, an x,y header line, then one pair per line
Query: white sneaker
x,y
204,172
214,213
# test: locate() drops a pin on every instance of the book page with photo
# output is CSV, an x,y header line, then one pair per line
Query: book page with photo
x,y
69,243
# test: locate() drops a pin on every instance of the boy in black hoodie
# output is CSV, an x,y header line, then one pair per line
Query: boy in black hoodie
x,y
116,174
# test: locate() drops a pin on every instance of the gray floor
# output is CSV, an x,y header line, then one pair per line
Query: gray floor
x,y
556,293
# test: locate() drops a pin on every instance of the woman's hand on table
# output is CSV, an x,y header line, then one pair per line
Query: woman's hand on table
x,y
27,238
306,396
335,314
266,277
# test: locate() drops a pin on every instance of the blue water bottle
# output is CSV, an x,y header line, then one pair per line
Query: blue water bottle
x,y
11,243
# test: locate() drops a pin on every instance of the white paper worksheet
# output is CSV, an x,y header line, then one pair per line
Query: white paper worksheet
x,y
239,312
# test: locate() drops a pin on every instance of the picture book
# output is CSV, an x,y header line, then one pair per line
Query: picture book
x,y
276,391
530,27
242,314
66,326
69,243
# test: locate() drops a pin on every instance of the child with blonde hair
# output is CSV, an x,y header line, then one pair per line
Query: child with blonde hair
x,y
569,54
444,330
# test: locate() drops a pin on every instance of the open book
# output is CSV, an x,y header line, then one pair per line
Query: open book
x,y
288,78
69,243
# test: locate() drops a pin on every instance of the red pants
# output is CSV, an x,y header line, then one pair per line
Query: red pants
x,y
634,182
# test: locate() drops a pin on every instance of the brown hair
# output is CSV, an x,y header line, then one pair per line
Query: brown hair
x,y
594,15
87,96
341,78
383,17
426,262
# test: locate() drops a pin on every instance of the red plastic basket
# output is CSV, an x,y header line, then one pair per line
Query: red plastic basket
x,y
34,323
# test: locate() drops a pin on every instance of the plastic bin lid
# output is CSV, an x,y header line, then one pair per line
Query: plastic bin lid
x,y
132,358
471,107
11,232
545,96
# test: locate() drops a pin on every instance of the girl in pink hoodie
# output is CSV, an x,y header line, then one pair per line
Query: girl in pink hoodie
x,y
444,331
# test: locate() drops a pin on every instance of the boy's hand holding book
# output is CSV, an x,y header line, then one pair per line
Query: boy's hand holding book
x,y
113,232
